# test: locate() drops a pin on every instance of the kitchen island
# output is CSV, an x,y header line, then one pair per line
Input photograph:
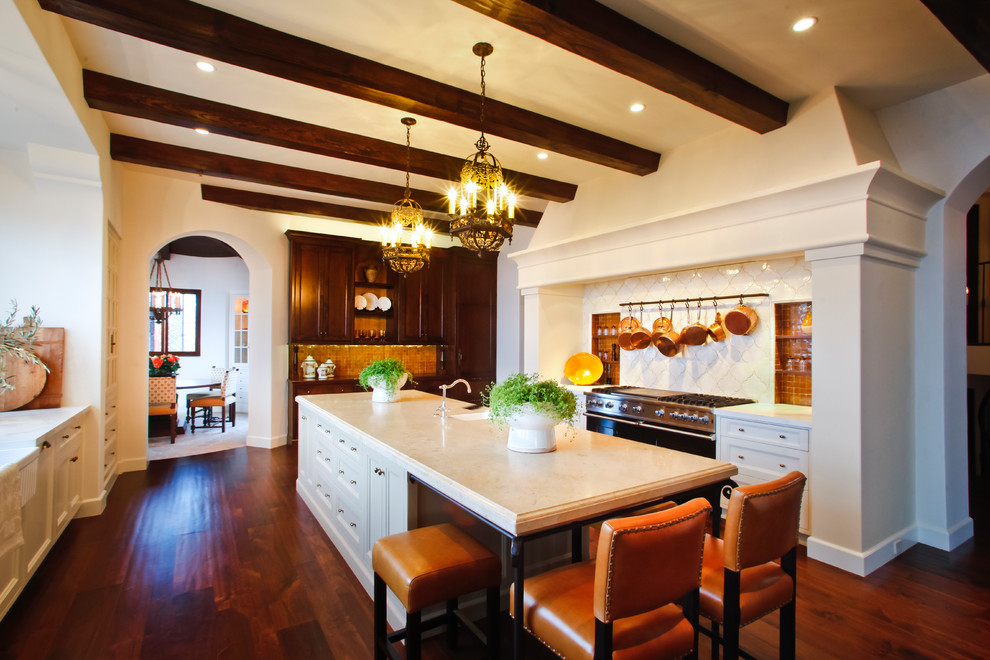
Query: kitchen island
x,y
358,459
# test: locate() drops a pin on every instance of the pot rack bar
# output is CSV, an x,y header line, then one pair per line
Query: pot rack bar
x,y
696,299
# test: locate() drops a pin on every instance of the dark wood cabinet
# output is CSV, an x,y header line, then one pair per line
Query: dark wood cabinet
x,y
472,323
320,295
421,310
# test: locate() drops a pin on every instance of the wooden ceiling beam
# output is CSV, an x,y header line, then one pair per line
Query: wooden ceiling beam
x,y
969,23
606,37
128,149
212,33
125,97
257,201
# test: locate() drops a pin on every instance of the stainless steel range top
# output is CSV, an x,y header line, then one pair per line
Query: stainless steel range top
x,y
662,407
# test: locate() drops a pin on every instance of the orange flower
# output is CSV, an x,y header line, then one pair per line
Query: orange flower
x,y
157,362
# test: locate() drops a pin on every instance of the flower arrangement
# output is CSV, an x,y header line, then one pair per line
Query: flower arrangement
x,y
165,364
18,342
521,391
384,374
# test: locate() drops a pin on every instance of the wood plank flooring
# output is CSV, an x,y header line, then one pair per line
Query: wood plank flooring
x,y
214,556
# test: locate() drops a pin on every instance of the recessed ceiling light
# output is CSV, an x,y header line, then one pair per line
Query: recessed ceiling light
x,y
542,155
804,24
205,66
636,107
202,131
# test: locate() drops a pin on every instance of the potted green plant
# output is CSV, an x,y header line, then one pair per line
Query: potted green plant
x,y
385,378
532,408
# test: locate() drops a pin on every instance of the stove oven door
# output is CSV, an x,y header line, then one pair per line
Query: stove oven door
x,y
690,442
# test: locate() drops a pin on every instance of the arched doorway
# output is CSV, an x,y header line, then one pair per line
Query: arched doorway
x,y
209,335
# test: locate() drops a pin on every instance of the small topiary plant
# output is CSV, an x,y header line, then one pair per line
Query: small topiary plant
x,y
384,374
506,399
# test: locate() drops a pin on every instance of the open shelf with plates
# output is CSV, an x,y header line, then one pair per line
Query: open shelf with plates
x,y
605,345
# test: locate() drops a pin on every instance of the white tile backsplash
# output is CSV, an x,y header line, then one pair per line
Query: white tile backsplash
x,y
741,365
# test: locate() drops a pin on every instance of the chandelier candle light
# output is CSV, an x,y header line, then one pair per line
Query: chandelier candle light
x,y
482,206
162,300
406,213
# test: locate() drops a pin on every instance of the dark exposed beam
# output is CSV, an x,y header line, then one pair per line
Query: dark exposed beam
x,y
257,201
969,23
212,33
128,149
133,99
605,36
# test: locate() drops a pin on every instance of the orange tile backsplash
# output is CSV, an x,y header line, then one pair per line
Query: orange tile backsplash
x,y
792,359
352,358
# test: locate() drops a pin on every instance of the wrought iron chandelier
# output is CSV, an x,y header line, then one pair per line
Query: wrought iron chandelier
x,y
482,206
162,300
406,213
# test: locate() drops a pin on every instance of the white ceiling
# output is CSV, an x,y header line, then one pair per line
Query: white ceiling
x,y
880,53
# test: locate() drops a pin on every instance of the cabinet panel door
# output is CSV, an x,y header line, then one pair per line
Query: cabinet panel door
x,y
308,288
421,295
474,284
338,306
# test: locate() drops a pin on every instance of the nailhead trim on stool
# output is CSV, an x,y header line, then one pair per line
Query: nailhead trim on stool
x,y
428,566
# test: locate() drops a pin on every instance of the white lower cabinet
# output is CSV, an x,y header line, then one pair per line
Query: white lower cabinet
x,y
764,450
355,491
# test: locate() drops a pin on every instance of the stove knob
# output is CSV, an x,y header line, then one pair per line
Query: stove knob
x,y
637,409
609,404
676,415
704,419
623,407
658,412
694,418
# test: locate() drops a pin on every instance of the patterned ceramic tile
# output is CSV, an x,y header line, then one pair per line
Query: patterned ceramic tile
x,y
739,365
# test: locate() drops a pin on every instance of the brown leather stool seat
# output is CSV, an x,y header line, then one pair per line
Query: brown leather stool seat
x,y
427,566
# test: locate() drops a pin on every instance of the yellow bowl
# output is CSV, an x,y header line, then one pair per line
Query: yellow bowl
x,y
583,368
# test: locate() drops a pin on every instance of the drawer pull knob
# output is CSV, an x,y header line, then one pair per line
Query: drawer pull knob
x,y
319,485
782,436
327,459
326,495
353,524
782,465
65,437
353,483
740,456
341,441
340,472
340,510
319,451
742,430
46,445
319,426
73,459
305,418
353,448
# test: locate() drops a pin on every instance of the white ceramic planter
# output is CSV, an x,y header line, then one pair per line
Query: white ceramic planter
x,y
532,432
380,394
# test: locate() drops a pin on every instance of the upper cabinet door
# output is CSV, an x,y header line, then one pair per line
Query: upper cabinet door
x,y
320,308
473,282
421,295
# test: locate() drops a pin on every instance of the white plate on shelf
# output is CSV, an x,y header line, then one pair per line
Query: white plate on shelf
x,y
360,302
372,301
384,304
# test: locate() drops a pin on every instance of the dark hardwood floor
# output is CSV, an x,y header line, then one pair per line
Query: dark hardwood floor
x,y
214,556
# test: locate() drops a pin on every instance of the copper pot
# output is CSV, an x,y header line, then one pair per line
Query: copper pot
x,y
640,336
715,330
626,327
695,334
664,337
741,320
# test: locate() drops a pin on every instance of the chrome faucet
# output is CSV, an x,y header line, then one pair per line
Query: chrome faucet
x,y
443,411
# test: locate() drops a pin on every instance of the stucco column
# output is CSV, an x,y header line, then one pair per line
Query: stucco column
x,y
862,457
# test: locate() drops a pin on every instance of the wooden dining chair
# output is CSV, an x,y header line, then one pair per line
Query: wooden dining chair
x,y
162,399
216,376
225,399
638,598
752,570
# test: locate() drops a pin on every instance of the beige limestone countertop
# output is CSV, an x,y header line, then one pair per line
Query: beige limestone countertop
x,y
468,461
25,427
770,412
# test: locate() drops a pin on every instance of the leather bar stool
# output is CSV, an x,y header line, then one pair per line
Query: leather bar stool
x,y
428,566
752,570
625,602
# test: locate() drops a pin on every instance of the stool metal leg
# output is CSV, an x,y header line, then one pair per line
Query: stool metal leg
x,y
493,642
414,633
451,623
380,633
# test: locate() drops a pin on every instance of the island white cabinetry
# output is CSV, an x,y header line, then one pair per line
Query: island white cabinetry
x,y
765,442
357,493
47,446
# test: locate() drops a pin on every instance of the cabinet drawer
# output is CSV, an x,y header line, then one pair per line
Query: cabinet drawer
x,y
325,458
787,436
350,478
349,448
323,488
756,458
348,519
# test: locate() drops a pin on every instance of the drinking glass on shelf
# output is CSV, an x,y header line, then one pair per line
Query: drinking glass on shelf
x,y
614,333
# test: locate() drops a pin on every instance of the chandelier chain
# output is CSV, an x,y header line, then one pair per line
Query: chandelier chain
x,y
482,143
408,161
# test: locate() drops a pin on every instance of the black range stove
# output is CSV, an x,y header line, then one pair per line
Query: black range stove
x,y
678,420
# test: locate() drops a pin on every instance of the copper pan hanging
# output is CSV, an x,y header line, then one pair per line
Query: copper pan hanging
x,y
696,333
626,327
715,331
640,335
741,320
667,340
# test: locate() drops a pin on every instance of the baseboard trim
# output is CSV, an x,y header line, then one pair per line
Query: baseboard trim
x,y
865,562
946,539
267,442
